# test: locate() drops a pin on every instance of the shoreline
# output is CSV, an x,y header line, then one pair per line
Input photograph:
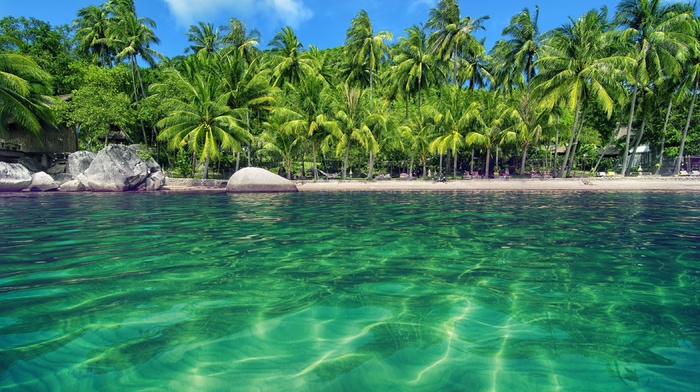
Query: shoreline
x,y
624,184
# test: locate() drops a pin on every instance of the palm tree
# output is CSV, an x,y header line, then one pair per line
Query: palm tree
x,y
201,119
419,132
239,39
92,34
577,66
364,49
691,83
308,115
452,34
204,38
24,87
523,44
415,69
276,141
661,34
527,117
491,116
350,113
291,63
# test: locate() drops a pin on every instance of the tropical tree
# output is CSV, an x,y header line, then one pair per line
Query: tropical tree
x,y
290,63
691,84
415,69
491,117
92,35
419,132
204,38
578,67
309,106
523,42
661,34
365,49
24,89
452,33
526,118
201,119
275,141
239,39
349,113
453,122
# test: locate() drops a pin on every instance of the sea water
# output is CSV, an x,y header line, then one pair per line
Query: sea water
x,y
448,291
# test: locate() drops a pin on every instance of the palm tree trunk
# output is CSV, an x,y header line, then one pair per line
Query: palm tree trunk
x,y
488,161
370,165
345,160
454,165
629,129
205,174
636,144
575,147
523,158
314,156
556,147
687,126
194,162
573,136
663,137
440,176
471,164
612,139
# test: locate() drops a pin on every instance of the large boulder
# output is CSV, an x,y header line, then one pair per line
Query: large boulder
x,y
42,182
79,161
253,179
118,168
32,164
14,177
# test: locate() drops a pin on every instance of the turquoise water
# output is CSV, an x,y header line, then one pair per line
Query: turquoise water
x,y
351,291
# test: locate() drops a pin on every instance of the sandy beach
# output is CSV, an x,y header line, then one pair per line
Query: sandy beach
x,y
641,184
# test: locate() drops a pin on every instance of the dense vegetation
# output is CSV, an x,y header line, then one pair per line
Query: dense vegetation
x,y
433,100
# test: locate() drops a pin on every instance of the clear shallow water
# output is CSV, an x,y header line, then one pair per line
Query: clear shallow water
x,y
352,291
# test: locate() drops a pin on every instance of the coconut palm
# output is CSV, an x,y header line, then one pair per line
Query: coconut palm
x,y
415,68
276,141
526,121
577,66
291,63
364,49
419,132
349,113
24,87
491,116
239,39
204,38
201,119
309,105
691,84
523,42
452,33
91,35
661,34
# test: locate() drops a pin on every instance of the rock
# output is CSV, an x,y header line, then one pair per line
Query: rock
x,y
42,182
31,164
59,168
14,177
253,179
72,186
118,168
62,178
78,162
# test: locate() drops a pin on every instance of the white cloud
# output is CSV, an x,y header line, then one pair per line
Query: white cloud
x,y
425,3
289,12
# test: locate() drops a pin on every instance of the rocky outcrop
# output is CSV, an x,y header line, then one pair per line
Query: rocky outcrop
x,y
14,177
257,180
42,182
118,168
78,162
31,164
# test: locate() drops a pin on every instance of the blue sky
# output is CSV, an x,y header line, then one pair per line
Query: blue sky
x,y
322,23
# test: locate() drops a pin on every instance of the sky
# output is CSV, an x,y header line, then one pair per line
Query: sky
x,y
322,23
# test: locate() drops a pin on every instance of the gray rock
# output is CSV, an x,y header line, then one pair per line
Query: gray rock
x,y
31,164
79,161
59,168
42,182
253,179
14,177
118,168
62,178
72,186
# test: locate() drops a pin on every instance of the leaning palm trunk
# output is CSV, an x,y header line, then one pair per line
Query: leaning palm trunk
x,y
205,174
315,164
575,147
663,137
612,139
345,160
556,148
562,173
523,158
687,126
371,165
636,145
454,166
629,131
